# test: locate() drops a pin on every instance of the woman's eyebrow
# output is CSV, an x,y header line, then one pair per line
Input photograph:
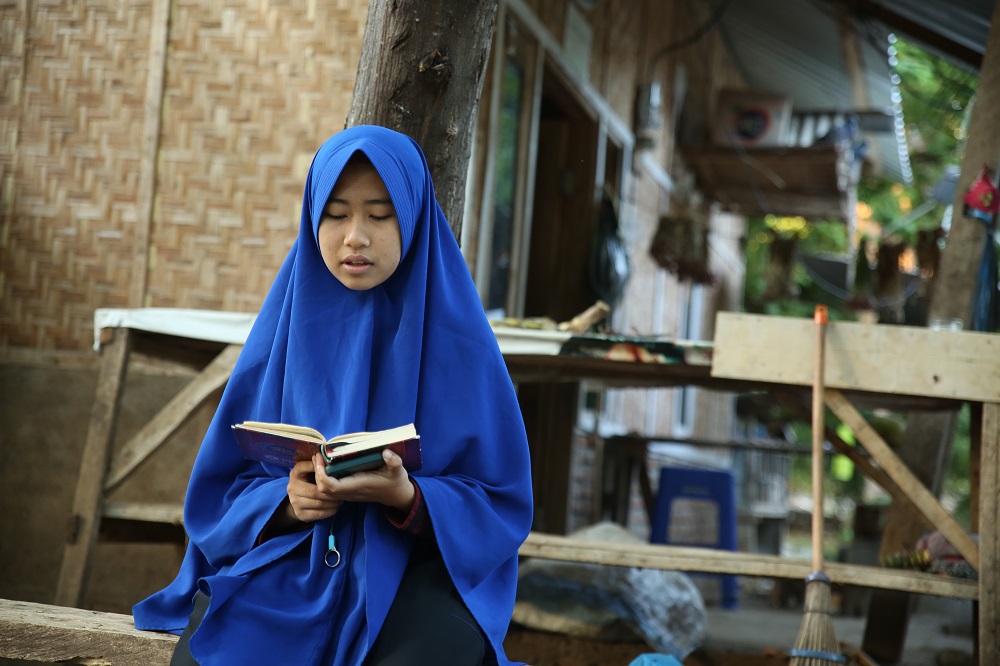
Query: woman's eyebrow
x,y
386,201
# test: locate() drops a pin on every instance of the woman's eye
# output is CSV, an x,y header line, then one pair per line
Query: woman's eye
x,y
382,218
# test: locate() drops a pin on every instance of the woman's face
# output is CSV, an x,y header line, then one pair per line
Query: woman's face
x,y
358,233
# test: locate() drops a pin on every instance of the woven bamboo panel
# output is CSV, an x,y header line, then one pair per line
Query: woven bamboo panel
x,y
69,201
12,16
252,89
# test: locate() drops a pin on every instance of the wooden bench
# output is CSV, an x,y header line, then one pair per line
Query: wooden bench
x,y
39,632
57,634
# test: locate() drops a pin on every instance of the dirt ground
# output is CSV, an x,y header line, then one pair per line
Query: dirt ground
x,y
544,649
940,633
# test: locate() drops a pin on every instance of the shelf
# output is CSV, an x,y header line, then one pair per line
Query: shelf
x,y
814,182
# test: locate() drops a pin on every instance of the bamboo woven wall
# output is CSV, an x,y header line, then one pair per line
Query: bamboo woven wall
x,y
193,204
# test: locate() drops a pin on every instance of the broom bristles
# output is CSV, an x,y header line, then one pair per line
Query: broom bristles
x,y
816,644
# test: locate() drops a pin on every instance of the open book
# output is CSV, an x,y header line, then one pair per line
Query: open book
x,y
284,445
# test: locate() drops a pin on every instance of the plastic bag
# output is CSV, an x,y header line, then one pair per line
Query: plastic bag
x,y
609,267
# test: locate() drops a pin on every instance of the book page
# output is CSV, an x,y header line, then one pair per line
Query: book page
x,y
364,439
286,430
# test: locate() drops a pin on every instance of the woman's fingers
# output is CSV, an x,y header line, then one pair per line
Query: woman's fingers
x,y
308,500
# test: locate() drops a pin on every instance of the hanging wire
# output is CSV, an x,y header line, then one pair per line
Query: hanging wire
x,y
693,38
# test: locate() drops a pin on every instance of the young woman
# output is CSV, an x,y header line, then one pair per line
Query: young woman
x,y
372,322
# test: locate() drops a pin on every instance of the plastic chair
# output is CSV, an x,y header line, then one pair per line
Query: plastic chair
x,y
686,503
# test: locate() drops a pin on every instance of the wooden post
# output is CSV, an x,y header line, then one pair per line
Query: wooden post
x,y
82,528
989,538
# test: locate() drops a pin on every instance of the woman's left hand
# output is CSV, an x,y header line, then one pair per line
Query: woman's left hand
x,y
389,485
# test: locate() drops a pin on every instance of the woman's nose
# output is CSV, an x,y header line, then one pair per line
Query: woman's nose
x,y
356,235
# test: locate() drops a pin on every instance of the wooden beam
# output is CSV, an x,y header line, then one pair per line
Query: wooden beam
x,y
708,560
156,74
54,634
81,531
952,364
904,478
172,416
989,537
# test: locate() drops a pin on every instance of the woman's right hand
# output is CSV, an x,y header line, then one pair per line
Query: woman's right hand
x,y
307,502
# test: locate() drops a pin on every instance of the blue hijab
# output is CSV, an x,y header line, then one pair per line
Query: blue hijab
x,y
416,348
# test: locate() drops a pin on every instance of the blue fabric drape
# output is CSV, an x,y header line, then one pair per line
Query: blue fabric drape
x,y
416,348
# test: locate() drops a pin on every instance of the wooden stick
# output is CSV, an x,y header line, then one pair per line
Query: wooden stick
x,y
820,317
583,321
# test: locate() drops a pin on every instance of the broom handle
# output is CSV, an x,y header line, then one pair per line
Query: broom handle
x,y
820,317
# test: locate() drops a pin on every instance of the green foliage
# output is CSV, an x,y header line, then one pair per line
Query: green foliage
x,y
935,96
814,237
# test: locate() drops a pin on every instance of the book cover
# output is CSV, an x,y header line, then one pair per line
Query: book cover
x,y
344,460
273,448
284,445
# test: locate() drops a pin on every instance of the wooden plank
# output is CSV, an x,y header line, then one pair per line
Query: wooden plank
x,y
85,519
904,360
54,634
904,478
707,560
172,416
989,538
165,512
750,201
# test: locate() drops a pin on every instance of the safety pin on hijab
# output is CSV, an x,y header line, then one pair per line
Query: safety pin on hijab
x,y
331,547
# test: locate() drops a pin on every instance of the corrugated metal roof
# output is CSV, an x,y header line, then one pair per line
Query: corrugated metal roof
x,y
965,22
793,47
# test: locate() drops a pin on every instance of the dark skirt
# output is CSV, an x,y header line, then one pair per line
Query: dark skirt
x,y
427,623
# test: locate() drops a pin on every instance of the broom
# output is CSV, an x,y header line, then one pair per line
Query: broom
x,y
816,644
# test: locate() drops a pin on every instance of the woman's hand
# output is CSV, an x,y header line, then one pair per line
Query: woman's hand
x,y
389,485
307,500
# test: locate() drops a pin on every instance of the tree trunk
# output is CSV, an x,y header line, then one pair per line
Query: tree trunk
x,y
421,73
927,440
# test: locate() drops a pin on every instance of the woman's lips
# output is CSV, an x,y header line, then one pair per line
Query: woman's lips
x,y
356,265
